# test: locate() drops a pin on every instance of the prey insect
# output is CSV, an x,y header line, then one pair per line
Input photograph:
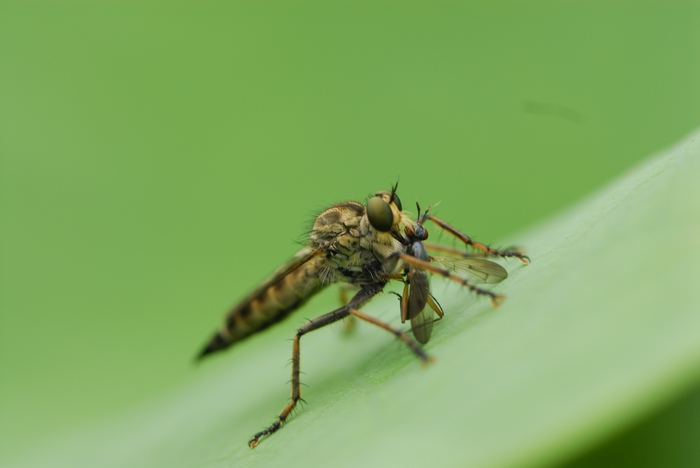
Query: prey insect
x,y
417,304
365,245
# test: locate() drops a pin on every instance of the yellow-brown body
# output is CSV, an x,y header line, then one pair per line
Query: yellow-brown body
x,y
343,247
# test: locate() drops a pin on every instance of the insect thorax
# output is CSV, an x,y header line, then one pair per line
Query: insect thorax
x,y
354,251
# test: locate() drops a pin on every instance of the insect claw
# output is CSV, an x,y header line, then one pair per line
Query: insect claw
x,y
427,361
396,294
497,299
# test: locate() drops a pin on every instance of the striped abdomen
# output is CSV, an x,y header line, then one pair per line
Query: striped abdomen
x,y
271,302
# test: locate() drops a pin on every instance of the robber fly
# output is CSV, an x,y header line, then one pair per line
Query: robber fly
x,y
365,245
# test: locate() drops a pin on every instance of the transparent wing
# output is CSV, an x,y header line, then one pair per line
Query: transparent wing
x,y
477,270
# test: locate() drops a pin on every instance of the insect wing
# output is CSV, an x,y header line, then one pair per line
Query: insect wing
x,y
477,270
419,312
294,263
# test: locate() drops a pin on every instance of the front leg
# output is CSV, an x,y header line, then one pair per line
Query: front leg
x,y
357,301
478,245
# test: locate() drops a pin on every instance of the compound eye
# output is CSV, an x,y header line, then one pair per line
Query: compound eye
x,y
380,216
397,202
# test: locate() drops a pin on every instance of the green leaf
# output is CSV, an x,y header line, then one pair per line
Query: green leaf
x,y
597,333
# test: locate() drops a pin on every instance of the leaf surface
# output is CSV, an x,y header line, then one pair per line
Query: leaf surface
x,y
599,331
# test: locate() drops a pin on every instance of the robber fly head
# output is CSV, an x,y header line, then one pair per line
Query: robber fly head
x,y
384,210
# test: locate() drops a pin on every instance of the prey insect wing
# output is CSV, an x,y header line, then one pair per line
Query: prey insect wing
x,y
418,311
478,270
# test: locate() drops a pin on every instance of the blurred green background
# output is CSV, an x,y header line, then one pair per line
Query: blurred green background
x,y
158,159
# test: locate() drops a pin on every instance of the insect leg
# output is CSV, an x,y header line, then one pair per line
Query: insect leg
x,y
478,245
358,300
435,305
404,303
495,298
413,346
452,251
349,322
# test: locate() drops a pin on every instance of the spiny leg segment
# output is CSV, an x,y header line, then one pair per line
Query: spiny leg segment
x,y
412,345
478,245
433,247
358,300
